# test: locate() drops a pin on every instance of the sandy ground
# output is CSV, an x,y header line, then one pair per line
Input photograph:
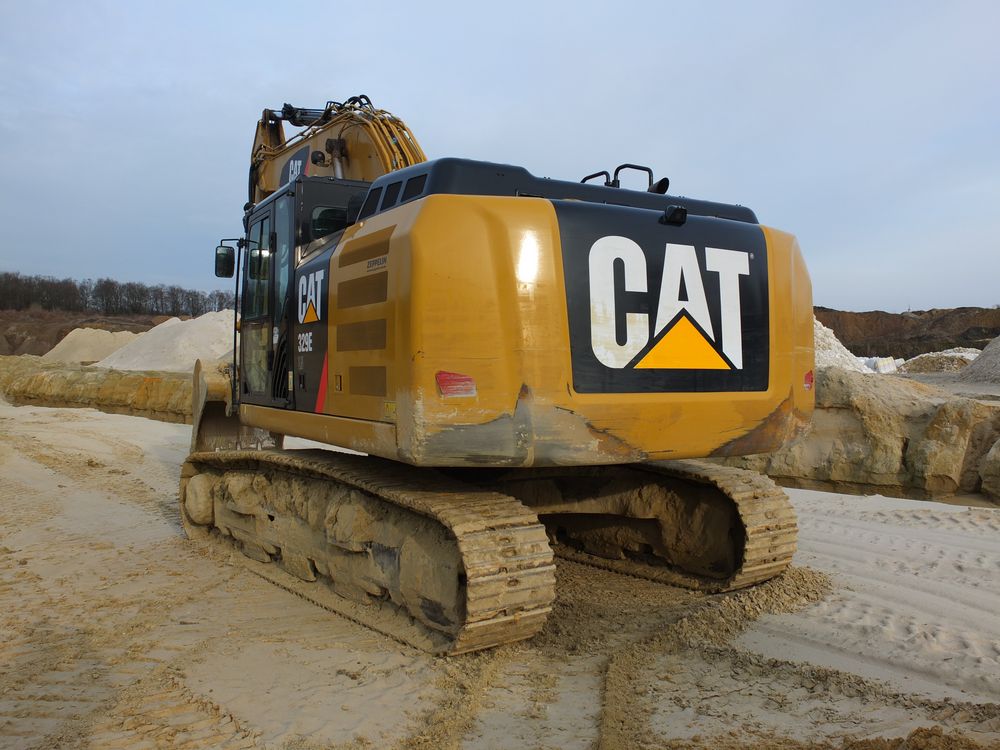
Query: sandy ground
x,y
117,632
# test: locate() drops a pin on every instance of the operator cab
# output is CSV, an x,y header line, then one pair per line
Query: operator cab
x,y
291,224
309,210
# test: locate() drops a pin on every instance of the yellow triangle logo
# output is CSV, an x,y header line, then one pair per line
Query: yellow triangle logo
x,y
310,316
683,347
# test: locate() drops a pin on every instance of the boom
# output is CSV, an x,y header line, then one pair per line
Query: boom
x,y
349,140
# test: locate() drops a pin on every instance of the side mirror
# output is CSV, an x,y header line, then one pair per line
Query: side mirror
x,y
225,261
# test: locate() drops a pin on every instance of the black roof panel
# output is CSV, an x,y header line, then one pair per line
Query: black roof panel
x,y
468,177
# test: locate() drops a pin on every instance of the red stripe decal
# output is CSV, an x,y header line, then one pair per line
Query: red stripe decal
x,y
321,396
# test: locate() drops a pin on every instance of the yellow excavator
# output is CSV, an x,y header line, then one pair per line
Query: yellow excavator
x,y
525,363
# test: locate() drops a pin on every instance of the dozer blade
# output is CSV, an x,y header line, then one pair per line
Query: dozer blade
x,y
215,422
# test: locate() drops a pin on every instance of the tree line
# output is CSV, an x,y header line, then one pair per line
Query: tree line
x,y
107,296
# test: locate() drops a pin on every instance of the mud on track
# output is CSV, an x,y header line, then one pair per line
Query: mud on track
x,y
115,632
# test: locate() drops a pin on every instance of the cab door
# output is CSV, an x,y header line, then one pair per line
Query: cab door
x,y
265,369
256,351
283,243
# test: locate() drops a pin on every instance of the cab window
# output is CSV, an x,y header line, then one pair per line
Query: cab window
x,y
258,270
327,220
283,250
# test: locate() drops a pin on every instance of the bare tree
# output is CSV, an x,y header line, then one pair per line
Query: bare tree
x,y
106,296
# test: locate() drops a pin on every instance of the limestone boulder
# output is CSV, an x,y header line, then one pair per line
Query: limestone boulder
x,y
949,455
989,472
883,433
165,396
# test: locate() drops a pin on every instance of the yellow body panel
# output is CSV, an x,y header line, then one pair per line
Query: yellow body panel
x,y
475,286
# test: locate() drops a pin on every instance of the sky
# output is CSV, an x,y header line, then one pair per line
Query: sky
x,y
869,130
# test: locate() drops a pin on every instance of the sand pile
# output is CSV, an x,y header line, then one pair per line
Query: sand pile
x,y
831,353
986,367
88,345
173,346
949,360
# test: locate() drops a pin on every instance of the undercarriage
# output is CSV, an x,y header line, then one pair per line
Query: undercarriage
x,y
463,560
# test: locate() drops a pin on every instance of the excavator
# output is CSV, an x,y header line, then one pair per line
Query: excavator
x,y
501,369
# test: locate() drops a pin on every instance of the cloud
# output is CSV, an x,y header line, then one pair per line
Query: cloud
x,y
869,132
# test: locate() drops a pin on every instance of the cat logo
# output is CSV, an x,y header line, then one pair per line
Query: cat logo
x,y
658,309
682,335
311,297
296,165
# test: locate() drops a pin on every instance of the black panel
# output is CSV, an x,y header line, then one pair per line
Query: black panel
x,y
468,177
581,225
311,326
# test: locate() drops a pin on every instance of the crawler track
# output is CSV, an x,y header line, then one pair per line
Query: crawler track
x,y
693,524
768,521
413,554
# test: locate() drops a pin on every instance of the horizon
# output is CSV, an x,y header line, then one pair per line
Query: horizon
x,y
221,288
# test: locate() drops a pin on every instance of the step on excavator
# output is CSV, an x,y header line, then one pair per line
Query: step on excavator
x,y
502,369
